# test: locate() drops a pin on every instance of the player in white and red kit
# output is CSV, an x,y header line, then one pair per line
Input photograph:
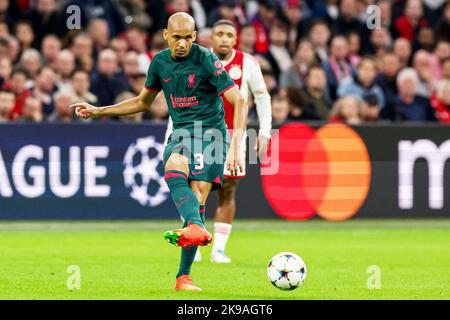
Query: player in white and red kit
x,y
245,71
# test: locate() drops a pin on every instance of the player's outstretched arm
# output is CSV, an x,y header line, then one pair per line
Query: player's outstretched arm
x,y
235,98
134,105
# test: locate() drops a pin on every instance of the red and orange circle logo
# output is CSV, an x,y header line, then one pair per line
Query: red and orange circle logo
x,y
326,172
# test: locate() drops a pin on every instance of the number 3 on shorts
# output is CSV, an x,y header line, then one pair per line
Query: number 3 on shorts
x,y
199,159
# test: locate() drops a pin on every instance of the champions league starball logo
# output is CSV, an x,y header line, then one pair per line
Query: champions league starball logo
x,y
144,172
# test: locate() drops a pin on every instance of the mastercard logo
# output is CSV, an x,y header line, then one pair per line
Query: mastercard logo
x,y
325,172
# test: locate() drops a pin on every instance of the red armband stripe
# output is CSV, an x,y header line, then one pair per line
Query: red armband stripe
x,y
226,89
150,89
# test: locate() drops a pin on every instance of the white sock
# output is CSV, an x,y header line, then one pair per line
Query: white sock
x,y
221,234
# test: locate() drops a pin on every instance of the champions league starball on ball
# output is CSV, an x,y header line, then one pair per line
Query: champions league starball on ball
x,y
286,271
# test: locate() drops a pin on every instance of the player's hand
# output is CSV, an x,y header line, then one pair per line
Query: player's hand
x,y
85,110
234,164
261,146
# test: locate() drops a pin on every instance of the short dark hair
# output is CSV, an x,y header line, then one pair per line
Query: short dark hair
x,y
19,70
315,66
317,22
226,22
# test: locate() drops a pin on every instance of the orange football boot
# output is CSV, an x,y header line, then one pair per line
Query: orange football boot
x,y
192,235
184,283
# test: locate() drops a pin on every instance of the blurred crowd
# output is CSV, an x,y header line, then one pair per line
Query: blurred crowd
x,y
322,60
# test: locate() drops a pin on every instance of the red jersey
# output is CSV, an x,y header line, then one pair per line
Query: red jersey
x,y
235,69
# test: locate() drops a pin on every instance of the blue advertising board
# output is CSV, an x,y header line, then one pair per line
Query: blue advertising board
x,y
83,171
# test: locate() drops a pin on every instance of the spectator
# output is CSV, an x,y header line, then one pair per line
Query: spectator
x,y
51,47
62,113
303,60
159,44
224,10
5,70
131,64
4,48
107,11
386,14
25,34
297,106
409,106
7,103
81,84
137,82
247,39
371,108
8,14
425,40
280,109
364,82
346,20
337,66
13,49
31,62
315,95
269,80
106,83
402,48
120,47
327,10
45,19
319,34
354,47
4,29
99,32
278,55
44,88
441,52
262,23
386,80
65,65
83,49
134,12
162,10
17,86
347,110
381,41
408,24
446,69
296,22
137,40
443,26
441,101
422,64
32,110
204,38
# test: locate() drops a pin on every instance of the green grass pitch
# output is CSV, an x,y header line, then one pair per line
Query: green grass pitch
x,y
130,260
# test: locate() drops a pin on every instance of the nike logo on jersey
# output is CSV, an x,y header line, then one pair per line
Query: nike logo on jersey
x,y
197,173
167,80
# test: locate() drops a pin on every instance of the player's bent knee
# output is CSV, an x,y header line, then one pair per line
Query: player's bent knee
x,y
201,189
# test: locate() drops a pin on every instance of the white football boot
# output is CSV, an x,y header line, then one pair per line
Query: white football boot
x,y
219,257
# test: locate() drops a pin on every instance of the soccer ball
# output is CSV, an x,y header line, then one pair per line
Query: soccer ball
x,y
286,271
